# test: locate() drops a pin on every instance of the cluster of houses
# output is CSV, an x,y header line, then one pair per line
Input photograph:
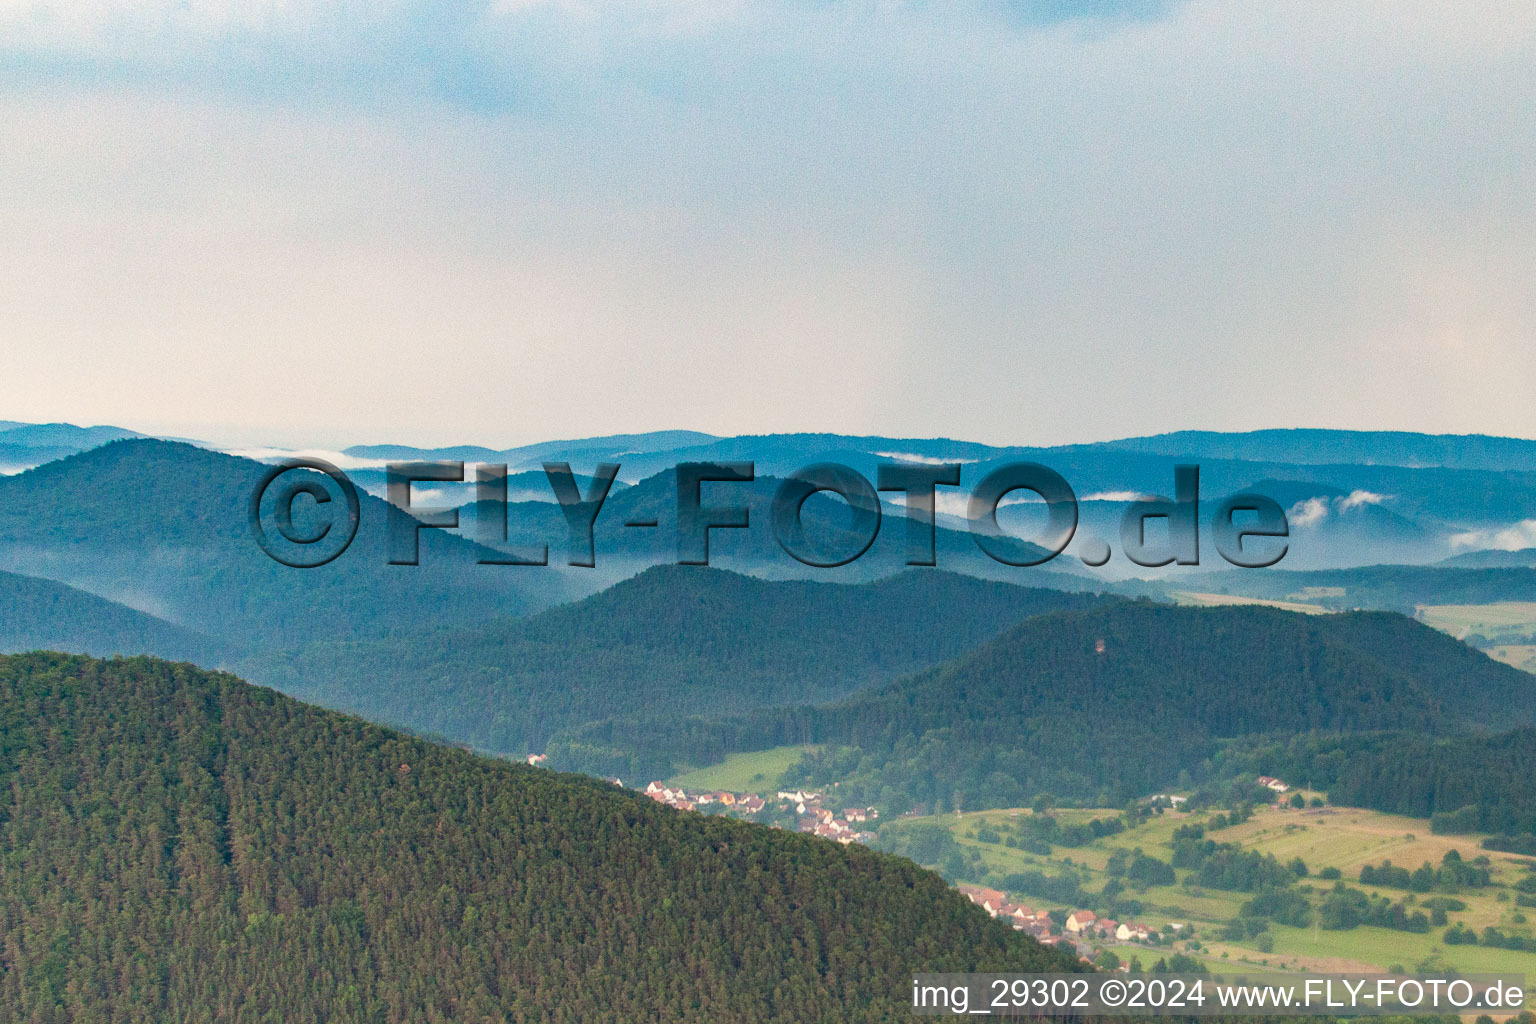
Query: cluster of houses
x,y
1079,925
1270,782
810,816
745,803
814,819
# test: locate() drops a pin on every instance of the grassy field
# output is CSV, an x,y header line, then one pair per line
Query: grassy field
x,y
1342,838
1509,628
757,772
1522,656
1517,618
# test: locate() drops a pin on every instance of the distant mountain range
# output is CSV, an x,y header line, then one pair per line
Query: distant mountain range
x,y
612,448
162,527
1354,497
1343,447
1298,446
178,843
24,445
1493,559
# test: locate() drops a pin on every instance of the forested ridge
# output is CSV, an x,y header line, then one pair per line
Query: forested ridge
x,y
43,614
671,641
178,845
1102,705
165,525
1472,783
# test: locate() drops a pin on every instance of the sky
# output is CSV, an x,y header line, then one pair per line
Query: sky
x,y
328,223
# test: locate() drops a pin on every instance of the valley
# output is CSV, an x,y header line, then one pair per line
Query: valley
x,y
1327,839
1036,741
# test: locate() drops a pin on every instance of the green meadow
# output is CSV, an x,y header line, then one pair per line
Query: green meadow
x,y
1343,838
1507,628
755,772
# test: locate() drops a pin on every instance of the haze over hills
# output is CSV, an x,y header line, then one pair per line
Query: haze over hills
x,y
163,527
1493,559
1429,490
42,614
160,528
674,640
24,445
1105,704
1310,446
623,549
1430,493
181,844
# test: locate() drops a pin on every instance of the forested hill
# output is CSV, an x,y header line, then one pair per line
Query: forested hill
x,y
674,640
1475,690
165,525
36,613
1106,704
1123,698
178,845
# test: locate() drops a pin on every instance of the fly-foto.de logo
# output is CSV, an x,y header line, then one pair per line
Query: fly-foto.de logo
x,y
306,512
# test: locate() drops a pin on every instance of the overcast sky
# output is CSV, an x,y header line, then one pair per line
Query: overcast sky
x,y
330,223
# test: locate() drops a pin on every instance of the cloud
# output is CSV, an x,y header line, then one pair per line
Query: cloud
x,y
1356,499
979,219
1314,510
1309,512
955,505
1515,537
1117,496
926,460
340,460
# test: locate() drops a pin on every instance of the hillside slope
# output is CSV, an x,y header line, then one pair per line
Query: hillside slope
x,y
178,845
38,614
163,525
674,640
1105,704
1120,700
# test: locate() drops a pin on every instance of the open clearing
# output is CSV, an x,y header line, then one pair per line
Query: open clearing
x,y
1522,656
756,772
1514,620
1333,837
1505,631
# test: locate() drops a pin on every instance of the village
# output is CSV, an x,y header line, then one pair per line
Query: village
x,y
1071,930
1071,933
806,808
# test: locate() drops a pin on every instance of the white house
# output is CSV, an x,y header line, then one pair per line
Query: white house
x,y
1133,932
